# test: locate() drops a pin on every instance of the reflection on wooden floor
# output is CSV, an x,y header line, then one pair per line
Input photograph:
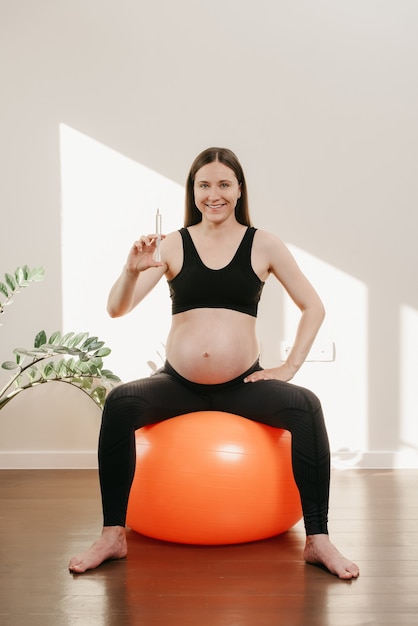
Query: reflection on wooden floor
x,y
48,516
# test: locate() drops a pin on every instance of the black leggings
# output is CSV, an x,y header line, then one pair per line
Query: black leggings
x,y
166,394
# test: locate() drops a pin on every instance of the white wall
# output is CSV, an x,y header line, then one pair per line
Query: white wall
x,y
319,101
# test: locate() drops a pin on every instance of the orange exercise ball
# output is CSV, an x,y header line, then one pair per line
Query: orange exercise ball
x,y
212,478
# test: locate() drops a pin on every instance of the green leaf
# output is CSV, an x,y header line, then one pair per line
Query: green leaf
x,y
10,365
60,350
77,339
36,274
76,380
66,339
66,350
59,367
49,371
96,345
19,276
46,348
82,366
10,281
99,395
96,361
88,342
55,338
70,363
18,382
40,339
108,375
34,375
87,382
4,290
24,352
74,351
103,352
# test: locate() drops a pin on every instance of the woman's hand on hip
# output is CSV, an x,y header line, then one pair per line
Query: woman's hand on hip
x,y
282,372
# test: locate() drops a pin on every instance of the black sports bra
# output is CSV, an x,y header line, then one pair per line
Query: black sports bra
x,y
235,286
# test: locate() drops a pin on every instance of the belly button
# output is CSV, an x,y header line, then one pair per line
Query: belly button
x,y
205,354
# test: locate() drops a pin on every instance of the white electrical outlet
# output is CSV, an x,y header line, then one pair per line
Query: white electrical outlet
x,y
324,352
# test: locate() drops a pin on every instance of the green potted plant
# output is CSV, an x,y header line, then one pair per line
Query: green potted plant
x,y
72,358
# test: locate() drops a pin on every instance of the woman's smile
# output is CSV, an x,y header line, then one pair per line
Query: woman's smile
x,y
215,206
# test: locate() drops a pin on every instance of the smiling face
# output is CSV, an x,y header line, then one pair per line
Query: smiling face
x,y
216,191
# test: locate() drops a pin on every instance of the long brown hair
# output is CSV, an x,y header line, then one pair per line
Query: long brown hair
x,y
192,215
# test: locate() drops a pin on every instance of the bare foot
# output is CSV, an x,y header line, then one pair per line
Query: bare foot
x,y
320,551
111,545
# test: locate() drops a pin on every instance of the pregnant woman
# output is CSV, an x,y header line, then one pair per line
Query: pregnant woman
x,y
216,267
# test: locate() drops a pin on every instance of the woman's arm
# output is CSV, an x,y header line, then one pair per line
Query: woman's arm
x,y
284,267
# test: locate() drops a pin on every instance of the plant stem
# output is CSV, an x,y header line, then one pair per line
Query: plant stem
x,y
5,400
20,372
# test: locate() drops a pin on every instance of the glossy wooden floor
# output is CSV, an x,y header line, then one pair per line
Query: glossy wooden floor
x,y
48,516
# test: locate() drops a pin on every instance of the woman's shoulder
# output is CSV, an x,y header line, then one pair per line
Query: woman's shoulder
x,y
267,238
174,236
271,248
171,242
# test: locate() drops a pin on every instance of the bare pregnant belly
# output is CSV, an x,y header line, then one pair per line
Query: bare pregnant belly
x,y
211,346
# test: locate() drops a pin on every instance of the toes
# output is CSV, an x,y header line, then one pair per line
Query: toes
x,y
77,569
76,566
350,573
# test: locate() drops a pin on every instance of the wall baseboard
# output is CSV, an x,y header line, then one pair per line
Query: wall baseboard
x,y
88,460
389,459
49,460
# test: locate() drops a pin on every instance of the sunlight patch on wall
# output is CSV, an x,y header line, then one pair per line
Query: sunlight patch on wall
x,y
341,385
408,376
108,201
